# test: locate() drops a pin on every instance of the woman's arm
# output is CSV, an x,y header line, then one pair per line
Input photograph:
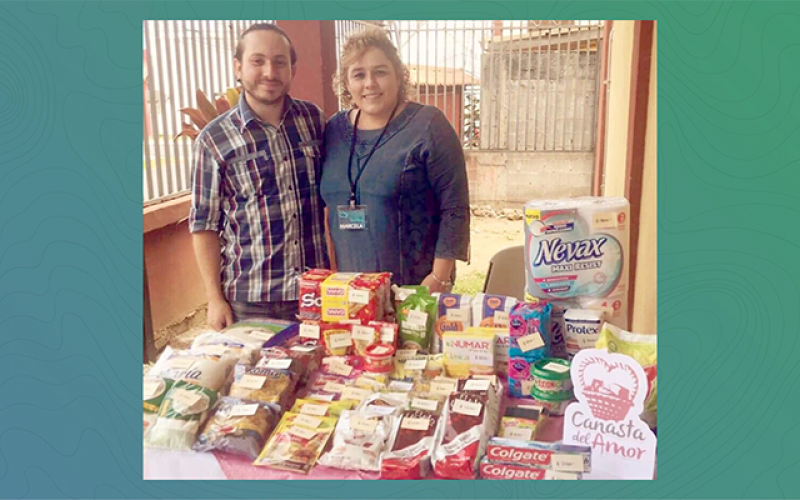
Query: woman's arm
x,y
447,173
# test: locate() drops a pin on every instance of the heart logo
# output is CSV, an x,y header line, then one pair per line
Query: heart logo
x,y
610,389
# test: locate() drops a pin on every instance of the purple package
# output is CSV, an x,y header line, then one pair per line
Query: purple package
x,y
527,319
520,379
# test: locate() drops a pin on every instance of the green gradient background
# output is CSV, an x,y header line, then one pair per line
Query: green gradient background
x,y
70,248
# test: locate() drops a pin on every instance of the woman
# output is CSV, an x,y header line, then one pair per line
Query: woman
x,y
394,178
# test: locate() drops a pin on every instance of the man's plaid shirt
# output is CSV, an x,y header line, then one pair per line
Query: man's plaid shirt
x,y
257,186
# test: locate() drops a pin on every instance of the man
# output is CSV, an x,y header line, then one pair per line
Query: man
x,y
256,216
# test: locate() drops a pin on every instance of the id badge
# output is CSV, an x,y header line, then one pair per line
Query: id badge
x,y
352,218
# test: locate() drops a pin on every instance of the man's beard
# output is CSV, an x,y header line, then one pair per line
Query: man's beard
x,y
253,92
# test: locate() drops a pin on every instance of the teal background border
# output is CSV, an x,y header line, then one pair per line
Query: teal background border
x,y
70,248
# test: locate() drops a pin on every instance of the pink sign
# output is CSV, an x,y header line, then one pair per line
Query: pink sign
x,y
611,390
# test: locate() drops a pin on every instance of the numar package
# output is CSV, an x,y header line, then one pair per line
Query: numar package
x,y
578,249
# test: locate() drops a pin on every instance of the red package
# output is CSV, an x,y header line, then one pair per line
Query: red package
x,y
310,293
336,338
409,447
373,309
469,419
388,332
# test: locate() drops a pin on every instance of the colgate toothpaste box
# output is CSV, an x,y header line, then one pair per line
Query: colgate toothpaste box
x,y
549,456
494,470
311,293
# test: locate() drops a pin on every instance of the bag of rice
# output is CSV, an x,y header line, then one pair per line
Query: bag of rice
x,y
183,411
206,370
153,392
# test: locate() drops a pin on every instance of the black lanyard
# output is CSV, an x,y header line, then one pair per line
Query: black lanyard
x,y
354,184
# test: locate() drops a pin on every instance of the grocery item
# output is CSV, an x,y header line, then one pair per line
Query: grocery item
x,y
310,307
264,385
335,291
578,249
491,310
520,422
337,339
551,375
154,390
388,332
470,352
296,443
558,348
401,293
216,343
453,314
408,451
550,456
307,356
183,410
238,427
417,366
416,316
494,470
470,417
355,297
320,408
359,439
266,330
379,358
642,348
530,319
529,332
502,343
581,329
363,337
206,370
554,402
282,358
520,380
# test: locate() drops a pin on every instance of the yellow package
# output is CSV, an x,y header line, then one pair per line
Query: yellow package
x,y
470,352
321,408
642,348
296,443
420,366
334,291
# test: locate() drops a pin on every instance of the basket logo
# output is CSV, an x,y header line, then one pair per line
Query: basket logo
x,y
611,390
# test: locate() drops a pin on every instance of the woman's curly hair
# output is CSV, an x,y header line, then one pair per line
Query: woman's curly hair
x,y
354,48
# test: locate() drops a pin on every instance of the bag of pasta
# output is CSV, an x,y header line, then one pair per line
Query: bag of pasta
x,y
238,427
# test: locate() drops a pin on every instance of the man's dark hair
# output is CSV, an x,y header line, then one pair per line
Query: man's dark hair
x,y
264,27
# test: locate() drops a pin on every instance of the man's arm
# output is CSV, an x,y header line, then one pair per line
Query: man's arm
x,y
207,253
204,223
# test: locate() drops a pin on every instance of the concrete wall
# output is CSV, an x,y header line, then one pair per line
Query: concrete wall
x,y
510,179
176,289
559,90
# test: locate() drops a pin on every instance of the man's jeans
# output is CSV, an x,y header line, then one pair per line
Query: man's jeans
x,y
275,310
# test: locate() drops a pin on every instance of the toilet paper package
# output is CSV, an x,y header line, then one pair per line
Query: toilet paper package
x,y
578,249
